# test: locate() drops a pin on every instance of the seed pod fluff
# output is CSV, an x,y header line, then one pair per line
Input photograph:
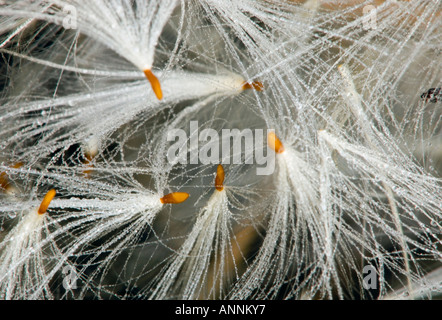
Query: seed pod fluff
x,y
202,149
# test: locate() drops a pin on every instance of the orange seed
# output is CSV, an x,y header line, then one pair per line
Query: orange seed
x,y
46,201
175,197
155,83
275,143
219,179
258,86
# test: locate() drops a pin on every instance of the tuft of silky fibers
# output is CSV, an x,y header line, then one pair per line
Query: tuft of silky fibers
x,y
341,100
